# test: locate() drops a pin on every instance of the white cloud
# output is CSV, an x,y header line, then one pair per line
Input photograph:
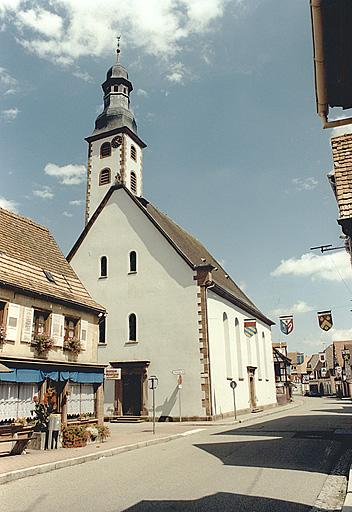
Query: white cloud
x,y
297,308
341,334
178,72
8,84
329,267
70,29
142,92
83,75
45,193
305,183
10,114
76,202
67,214
8,204
71,174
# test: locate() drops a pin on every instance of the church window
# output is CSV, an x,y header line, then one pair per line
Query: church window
x,y
102,329
133,153
265,357
227,346
239,349
105,176
105,150
133,182
133,261
132,327
103,266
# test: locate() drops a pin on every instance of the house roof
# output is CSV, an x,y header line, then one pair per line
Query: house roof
x,y
313,362
342,155
27,250
189,248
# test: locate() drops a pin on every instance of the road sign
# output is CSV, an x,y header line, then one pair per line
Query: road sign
x,y
153,382
111,373
178,372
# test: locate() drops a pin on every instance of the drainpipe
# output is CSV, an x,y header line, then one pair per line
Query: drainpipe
x,y
319,64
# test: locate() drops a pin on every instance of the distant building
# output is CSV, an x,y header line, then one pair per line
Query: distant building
x,y
282,365
48,326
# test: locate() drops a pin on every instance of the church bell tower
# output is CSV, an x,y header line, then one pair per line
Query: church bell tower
x,y
115,150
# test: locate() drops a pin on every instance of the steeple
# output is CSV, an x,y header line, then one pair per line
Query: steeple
x,y
117,88
115,149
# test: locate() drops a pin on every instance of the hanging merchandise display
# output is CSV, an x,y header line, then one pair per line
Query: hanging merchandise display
x,y
325,320
250,327
286,324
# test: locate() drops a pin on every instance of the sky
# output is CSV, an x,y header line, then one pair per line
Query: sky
x,y
224,99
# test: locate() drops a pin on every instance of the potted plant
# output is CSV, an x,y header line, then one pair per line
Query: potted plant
x,y
43,343
74,436
2,333
103,432
73,345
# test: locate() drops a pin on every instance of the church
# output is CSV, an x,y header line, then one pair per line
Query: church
x,y
172,310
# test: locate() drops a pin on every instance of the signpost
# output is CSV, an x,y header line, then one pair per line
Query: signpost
x,y
153,384
179,374
233,385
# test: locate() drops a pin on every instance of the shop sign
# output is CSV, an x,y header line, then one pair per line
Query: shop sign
x,y
112,373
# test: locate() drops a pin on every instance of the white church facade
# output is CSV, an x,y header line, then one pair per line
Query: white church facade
x,y
172,309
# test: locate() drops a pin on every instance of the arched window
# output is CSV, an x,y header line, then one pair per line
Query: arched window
x,y
265,357
227,346
259,362
105,150
105,176
133,153
133,182
238,348
133,261
132,327
102,329
103,266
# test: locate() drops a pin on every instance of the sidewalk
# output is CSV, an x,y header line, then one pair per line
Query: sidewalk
x,y
124,437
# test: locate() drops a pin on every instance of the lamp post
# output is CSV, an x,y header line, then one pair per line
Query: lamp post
x,y
233,385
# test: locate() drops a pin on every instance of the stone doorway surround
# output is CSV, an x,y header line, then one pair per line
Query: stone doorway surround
x,y
132,371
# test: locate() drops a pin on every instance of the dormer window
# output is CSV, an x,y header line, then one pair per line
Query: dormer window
x,y
133,153
133,182
105,150
105,176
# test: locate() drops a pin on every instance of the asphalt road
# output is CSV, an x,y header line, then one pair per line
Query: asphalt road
x,y
277,464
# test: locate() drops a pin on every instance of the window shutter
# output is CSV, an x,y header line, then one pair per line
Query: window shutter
x,y
84,334
13,315
27,325
57,329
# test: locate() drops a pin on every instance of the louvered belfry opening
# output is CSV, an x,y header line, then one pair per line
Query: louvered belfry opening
x,y
105,177
105,149
133,182
133,153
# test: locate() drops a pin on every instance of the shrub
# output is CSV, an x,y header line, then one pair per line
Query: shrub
x,y
74,436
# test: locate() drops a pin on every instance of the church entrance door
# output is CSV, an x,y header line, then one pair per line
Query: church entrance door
x,y
131,394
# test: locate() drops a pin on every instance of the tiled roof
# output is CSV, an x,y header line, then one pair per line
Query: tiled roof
x,y
342,156
26,250
196,252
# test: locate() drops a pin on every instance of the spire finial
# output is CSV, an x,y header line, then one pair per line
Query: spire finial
x,y
118,51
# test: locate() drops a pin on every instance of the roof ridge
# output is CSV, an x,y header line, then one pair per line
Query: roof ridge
x,y
23,218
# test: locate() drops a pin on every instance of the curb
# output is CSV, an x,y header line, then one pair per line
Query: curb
x,y
51,466
74,461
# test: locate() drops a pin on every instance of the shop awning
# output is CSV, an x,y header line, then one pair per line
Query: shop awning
x,y
23,375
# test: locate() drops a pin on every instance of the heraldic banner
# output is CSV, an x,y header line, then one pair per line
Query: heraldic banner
x,y
250,327
325,320
286,324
